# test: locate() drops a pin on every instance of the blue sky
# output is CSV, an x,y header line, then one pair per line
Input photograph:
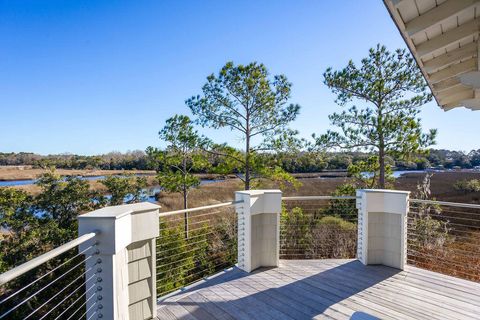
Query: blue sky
x,y
90,77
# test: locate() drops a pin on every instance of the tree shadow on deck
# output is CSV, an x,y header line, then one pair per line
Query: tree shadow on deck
x,y
288,292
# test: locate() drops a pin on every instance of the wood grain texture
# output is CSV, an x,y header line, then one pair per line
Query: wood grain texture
x,y
326,289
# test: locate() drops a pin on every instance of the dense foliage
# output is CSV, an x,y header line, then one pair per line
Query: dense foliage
x,y
297,162
210,247
125,189
472,185
32,225
324,232
109,161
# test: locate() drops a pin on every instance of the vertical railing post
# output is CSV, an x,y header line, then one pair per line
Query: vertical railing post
x,y
258,228
382,227
124,268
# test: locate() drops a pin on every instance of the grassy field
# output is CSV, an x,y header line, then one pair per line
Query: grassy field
x,y
312,184
14,173
442,185
442,189
9,174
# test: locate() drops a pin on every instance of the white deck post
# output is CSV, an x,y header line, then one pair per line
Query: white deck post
x,y
258,228
124,268
382,227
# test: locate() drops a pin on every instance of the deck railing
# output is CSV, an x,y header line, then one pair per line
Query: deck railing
x,y
53,285
145,258
444,237
194,244
318,227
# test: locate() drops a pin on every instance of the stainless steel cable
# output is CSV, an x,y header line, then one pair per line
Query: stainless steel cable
x,y
91,316
74,302
46,274
88,309
173,262
185,245
190,238
45,287
55,295
82,305
68,296
200,215
193,274
197,260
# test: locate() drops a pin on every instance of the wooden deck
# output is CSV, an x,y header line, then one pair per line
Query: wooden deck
x,y
326,289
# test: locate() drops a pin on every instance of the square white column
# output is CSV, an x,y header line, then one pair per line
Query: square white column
x,y
258,228
124,268
382,227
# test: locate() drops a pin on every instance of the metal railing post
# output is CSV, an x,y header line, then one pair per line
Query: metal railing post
x,y
124,268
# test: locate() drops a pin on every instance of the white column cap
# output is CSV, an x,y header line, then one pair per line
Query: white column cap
x,y
387,201
261,201
119,226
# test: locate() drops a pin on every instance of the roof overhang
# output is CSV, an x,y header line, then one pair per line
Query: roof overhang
x,y
443,37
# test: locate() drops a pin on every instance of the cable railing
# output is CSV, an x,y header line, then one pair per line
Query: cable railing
x,y
444,237
54,285
197,243
318,227
194,244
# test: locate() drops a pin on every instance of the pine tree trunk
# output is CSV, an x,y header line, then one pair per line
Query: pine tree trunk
x,y
381,149
185,206
185,195
381,163
247,155
247,172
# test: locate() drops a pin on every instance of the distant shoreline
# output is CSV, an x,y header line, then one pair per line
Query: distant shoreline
x,y
11,174
17,173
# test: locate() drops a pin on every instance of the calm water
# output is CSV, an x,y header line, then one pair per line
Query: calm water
x,y
148,193
12,183
398,173
16,183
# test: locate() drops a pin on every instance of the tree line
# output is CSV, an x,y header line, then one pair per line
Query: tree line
x,y
110,161
300,162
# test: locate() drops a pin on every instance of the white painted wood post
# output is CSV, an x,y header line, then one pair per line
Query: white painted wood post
x,y
258,228
124,268
382,227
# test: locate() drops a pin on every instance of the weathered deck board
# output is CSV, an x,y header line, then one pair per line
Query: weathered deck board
x,y
326,289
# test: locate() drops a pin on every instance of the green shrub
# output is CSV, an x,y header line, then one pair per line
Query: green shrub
x,y
295,229
426,232
337,223
174,258
316,236
429,233
472,185
208,249
344,208
334,237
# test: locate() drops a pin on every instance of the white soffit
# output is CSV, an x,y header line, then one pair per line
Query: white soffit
x,y
443,37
